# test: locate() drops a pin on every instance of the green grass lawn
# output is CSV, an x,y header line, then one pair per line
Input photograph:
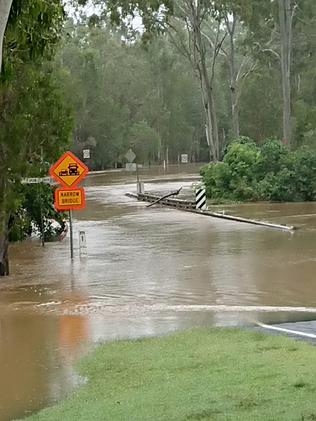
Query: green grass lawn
x,y
204,374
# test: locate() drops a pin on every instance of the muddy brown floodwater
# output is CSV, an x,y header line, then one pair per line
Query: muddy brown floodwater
x,y
148,271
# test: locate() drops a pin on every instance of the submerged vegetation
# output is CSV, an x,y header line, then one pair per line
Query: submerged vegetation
x,y
208,374
35,214
267,172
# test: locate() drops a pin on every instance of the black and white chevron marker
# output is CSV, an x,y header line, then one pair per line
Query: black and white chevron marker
x,y
200,199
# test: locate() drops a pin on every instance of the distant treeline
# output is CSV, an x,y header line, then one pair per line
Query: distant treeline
x,y
198,77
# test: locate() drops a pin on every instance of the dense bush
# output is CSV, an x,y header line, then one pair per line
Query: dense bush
x,y
267,172
35,213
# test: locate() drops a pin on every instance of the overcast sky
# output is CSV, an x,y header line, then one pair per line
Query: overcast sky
x,y
90,9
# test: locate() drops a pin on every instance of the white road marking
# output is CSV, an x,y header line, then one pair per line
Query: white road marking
x,y
282,329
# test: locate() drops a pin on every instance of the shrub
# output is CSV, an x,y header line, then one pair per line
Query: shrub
x,y
273,156
304,166
217,178
35,212
267,172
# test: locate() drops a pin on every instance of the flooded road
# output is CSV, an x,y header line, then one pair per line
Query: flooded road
x,y
147,271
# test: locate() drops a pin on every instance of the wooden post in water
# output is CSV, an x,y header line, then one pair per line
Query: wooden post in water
x,y
42,217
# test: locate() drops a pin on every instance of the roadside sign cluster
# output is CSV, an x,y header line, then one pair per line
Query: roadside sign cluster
x,y
69,171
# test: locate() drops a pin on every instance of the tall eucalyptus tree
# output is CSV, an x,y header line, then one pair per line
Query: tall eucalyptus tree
x,y
30,30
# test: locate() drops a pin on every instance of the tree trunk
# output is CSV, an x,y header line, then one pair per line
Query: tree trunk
x,y
208,123
235,113
217,156
234,96
4,228
231,22
285,19
233,75
194,14
209,106
4,257
5,7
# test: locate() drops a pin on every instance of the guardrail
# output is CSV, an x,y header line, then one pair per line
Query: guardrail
x,y
190,206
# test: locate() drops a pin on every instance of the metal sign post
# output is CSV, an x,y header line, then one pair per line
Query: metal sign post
x,y
71,236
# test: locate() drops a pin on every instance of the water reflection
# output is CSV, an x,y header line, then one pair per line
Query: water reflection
x,y
36,367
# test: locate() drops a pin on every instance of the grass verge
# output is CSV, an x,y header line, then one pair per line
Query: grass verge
x,y
204,374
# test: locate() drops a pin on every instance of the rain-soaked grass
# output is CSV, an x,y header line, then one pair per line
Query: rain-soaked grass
x,y
209,374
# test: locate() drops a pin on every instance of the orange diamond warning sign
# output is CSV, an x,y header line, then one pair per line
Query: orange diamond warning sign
x,y
69,199
69,170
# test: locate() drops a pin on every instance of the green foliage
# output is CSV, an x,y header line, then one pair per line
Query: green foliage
x,y
32,32
152,12
35,122
36,214
257,41
38,204
144,141
272,158
125,95
217,179
20,225
36,126
267,172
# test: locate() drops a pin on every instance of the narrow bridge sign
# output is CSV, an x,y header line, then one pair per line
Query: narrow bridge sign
x,y
69,170
70,199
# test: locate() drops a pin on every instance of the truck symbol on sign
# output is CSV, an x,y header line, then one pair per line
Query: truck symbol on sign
x,y
71,171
